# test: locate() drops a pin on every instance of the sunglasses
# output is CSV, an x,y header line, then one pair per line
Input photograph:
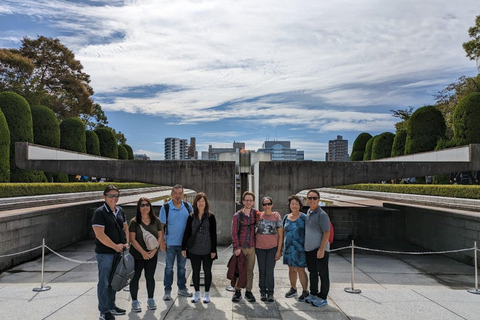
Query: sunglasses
x,y
143,205
267,204
111,196
312,198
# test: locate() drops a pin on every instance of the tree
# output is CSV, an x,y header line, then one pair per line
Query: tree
x,y
404,115
368,149
46,129
398,147
4,149
15,72
425,128
382,145
466,120
108,143
122,152
472,47
92,143
57,80
358,149
129,152
72,135
96,119
19,119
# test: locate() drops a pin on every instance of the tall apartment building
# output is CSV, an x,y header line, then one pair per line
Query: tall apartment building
x,y
337,150
192,149
175,149
280,150
212,153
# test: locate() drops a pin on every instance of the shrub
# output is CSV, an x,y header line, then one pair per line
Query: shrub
x,y
367,155
19,120
108,143
72,135
4,149
122,152
466,120
92,143
424,128
46,129
129,151
398,147
382,145
358,149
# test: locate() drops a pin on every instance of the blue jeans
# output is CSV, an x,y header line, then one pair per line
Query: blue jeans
x,y
105,293
172,252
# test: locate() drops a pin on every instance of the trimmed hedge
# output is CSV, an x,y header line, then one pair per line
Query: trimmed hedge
x,y
382,145
122,152
425,127
46,129
108,143
358,149
398,147
72,135
92,144
4,149
129,151
367,155
455,191
32,189
466,120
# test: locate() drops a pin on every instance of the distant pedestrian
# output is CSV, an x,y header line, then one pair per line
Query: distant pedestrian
x,y
294,248
145,258
317,247
111,235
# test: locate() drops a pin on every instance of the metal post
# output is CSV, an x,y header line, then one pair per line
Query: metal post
x,y
42,288
352,289
475,290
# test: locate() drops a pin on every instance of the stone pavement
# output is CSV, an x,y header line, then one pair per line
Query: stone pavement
x,y
393,287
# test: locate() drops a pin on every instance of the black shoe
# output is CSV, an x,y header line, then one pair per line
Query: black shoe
x,y
118,311
270,297
292,292
263,296
107,316
237,296
304,295
249,296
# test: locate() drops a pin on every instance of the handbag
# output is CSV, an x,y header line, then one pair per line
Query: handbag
x,y
123,270
150,241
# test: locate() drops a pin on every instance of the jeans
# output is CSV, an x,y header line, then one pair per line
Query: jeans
x,y
266,266
149,266
318,267
196,261
105,293
172,252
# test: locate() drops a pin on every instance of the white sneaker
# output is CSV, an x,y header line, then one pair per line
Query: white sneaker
x,y
206,297
196,296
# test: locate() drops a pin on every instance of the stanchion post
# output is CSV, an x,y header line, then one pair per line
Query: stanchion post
x,y
42,287
352,288
475,251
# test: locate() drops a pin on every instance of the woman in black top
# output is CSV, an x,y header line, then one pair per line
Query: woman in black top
x,y
202,228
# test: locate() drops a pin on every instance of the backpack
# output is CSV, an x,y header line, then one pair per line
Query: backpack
x,y
167,208
330,238
123,270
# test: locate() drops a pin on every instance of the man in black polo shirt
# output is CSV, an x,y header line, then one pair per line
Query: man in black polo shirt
x,y
111,235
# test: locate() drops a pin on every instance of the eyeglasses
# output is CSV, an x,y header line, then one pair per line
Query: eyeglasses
x,y
143,205
111,196
312,198
267,204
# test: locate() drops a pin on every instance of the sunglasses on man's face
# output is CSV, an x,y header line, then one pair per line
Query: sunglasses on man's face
x,y
111,196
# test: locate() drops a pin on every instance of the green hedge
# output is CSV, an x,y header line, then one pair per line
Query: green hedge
x,y
92,143
359,144
46,129
32,189
425,127
122,152
73,135
455,191
129,151
108,143
382,146
466,120
398,147
4,149
367,155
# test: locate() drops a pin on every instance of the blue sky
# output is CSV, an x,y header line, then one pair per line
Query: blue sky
x,y
224,71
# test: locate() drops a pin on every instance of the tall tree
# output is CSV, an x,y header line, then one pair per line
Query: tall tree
x,y
404,115
472,47
15,72
95,119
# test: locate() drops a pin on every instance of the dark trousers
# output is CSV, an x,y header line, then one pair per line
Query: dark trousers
x,y
266,265
318,267
196,261
149,266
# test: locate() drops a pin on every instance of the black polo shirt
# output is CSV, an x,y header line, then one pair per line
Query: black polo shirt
x,y
105,217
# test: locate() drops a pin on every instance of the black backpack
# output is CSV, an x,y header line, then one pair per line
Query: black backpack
x,y
167,208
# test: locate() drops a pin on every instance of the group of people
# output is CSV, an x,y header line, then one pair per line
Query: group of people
x,y
183,230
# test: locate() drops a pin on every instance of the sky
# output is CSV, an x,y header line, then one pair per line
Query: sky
x,y
251,71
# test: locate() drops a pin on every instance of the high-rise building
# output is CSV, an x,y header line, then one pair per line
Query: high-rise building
x,y
212,153
192,149
280,150
175,149
337,150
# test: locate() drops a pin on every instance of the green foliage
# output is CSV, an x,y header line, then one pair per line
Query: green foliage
x,y
424,128
122,152
95,119
359,144
403,114
92,143
15,72
4,149
455,191
398,147
129,152
368,149
46,129
382,145
32,189
108,143
19,119
466,120
72,135
472,47
445,144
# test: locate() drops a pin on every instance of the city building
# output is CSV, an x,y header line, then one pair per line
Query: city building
x,y
212,153
141,157
337,150
280,150
175,149
192,149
